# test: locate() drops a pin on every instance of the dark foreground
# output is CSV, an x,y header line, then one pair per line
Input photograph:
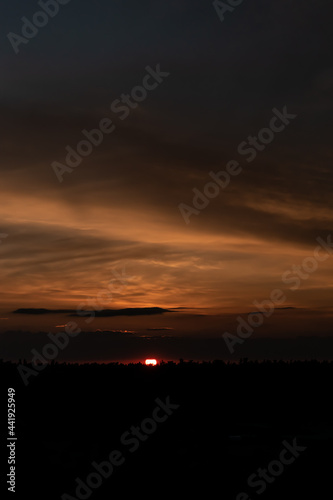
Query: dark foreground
x,y
246,431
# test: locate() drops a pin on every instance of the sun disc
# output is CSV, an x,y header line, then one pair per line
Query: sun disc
x,y
151,362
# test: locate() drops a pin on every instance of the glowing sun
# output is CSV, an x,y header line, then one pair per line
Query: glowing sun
x,y
151,362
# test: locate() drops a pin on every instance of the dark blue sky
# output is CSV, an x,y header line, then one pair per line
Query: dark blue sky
x,y
263,52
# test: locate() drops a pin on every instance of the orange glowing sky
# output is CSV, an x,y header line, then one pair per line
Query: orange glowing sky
x,y
60,253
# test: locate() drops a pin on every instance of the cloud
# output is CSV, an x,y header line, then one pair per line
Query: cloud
x,y
106,313
276,309
41,311
109,313
159,329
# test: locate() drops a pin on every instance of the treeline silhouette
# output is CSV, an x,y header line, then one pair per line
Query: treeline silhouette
x,y
232,419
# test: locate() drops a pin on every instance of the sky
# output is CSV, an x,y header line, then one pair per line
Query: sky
x,y
112,234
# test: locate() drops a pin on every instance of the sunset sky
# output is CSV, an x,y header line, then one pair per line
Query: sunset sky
x,y
117,213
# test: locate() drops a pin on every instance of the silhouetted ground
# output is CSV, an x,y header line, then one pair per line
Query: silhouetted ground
x,y
232,419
